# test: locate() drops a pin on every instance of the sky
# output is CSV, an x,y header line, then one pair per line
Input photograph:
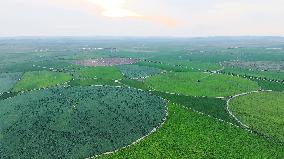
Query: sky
x,y
186,18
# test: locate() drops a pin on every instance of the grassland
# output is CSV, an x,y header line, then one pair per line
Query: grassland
x,y
40,79
187,134
76,122
262,112
201,84
99,72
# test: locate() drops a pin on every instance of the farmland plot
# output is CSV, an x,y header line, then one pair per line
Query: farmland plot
x,y
262,112
90,82
135,71
164,66
7,81
76,122
40,79
36,66
213,107
201,84
187,134
106,62
109,73
269,85
135,84
255,73
277,66
195,65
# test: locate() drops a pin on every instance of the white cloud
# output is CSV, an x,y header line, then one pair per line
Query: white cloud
x,y
114,8
142,17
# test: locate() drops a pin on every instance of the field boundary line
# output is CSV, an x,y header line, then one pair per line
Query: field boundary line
x,y
155,129
246,127
232,114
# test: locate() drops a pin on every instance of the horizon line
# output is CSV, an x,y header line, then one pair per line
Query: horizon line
x,y
132,36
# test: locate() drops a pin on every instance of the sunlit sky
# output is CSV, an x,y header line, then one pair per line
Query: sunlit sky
x,y
141,17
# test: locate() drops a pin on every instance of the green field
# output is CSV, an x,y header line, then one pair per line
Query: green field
x,y
166,67
90,82
208,105
254,73
76,122
52,107
269,85
136,71
135,84
36,65
40,79
109,73
187,134
262,112
194,65
201,84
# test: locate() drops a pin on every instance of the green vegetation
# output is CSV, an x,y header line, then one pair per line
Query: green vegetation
x,y
40,79
187,134
220,51
254,73
72,118
36,66
135,84
201,84
166,67
76,122
269,85
99,72
19,67
194,65
6,95
209,106
90,82
262,112
135,71
7,81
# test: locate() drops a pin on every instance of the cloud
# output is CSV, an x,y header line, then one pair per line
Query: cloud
x,y
116,9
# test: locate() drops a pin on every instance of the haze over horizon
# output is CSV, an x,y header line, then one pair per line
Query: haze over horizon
x,y
186,18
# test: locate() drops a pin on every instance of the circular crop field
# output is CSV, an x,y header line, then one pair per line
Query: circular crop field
x,y
262,111
76,122
201,84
